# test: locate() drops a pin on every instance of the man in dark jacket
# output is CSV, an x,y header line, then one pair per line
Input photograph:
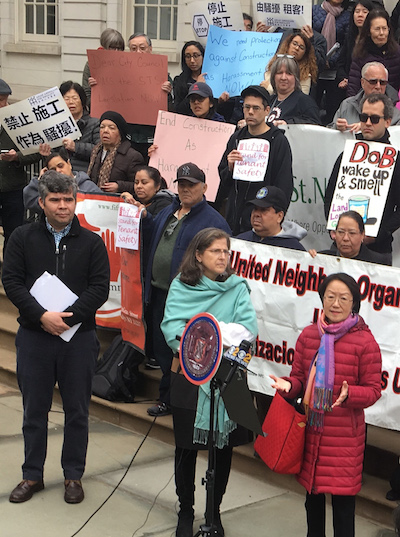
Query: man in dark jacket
x,y
169,235
56,245
381,106
279,167
13,177
267,220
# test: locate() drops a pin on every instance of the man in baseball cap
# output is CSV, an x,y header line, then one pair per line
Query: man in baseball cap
x,y
267,221
278,170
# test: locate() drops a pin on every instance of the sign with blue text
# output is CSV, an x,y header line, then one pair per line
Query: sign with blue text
x,y
235,60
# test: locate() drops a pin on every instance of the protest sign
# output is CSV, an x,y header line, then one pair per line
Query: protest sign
x,y
284,292
283,13
255,154
128,226
236,60
99,213
128,83
42,118
183,139
363,182
204,14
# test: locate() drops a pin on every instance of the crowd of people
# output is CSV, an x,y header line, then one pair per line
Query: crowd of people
x,y
343,72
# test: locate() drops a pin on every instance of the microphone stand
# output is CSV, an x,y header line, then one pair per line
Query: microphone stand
x,y
209,529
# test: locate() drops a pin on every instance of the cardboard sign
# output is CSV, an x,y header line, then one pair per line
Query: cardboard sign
x,y
128,226
283,13
363,183
128,83
255,154
235,60
204,15
183,139
41,119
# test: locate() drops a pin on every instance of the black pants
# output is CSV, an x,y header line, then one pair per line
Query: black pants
x,y
43,360
12,212
343,508
162,352
185,469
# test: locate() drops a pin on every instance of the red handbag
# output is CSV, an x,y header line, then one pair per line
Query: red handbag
x,y
283,447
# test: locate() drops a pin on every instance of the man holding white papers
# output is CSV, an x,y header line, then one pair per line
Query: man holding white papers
x,y
58,245
256,155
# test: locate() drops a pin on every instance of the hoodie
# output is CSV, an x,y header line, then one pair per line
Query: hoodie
x,y
289,237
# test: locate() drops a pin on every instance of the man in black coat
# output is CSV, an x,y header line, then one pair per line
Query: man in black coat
x,y
279,167
59,246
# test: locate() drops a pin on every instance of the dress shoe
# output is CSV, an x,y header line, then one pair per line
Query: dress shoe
x,y
73,491
25,490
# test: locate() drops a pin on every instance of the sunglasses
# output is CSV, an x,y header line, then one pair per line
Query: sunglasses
x,y
375,119
374,81
285,56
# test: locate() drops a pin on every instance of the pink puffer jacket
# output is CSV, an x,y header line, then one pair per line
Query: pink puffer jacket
x,y
333,459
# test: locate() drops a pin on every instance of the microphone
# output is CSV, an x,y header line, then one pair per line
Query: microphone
x,y
239,356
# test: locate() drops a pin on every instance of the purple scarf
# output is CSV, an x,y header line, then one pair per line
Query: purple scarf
x,y
322,392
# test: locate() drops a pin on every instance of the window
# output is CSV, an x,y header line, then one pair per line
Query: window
x,y
156,18
40,19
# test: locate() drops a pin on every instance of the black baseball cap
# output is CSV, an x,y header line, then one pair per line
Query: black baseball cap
x,y
259,90
190,172
270,196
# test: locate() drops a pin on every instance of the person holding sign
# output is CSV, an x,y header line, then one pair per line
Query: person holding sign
x,y
206,283
256,155
288,103
375,118
13,176
113,162
191,63
337,371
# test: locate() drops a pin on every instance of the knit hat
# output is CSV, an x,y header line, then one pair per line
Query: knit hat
x,y
191,172
270,196
4,88
118,120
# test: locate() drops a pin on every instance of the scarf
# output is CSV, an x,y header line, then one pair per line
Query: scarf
x,y
329,27
105,167
319,389
222,424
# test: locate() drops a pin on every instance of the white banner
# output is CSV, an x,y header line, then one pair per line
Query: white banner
x,y
203,14
42,118
315,150
283,13
284,286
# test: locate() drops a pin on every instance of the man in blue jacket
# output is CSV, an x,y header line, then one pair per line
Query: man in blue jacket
x,y
168,236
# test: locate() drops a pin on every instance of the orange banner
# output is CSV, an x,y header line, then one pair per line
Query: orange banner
x,y
132,311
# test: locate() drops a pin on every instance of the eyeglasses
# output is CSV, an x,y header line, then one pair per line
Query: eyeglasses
x,y
195,56
194,98
286,56
374,118
374,81
248,107
218,252
352,234
298,45
343,300
73,99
